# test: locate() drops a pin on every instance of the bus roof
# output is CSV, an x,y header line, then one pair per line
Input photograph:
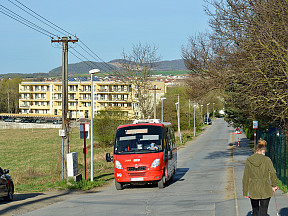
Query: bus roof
x,y
161,124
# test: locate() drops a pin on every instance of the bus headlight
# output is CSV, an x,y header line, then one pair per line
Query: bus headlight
x,y
155,163
118,165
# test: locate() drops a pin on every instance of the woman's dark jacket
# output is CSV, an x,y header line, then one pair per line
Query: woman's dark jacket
x,y
259,177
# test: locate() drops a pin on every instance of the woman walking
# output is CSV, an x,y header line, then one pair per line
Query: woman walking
x,y
259,180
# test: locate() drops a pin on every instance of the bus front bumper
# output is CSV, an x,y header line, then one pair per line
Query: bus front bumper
x,y
147,176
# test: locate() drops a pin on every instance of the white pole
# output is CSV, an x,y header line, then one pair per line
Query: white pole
x,y
207,112
179,131
162,108
92,113
194,122
92,171
201,115
189,114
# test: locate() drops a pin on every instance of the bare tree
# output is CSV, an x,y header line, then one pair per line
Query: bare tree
x,y
137,68
248,60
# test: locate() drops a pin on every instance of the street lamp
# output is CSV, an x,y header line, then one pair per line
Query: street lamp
x,y
213,110
194,121
207,112
201,115
162,108
178,117
92,113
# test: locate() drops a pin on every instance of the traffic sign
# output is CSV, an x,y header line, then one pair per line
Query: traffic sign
x,y
237,131
255,124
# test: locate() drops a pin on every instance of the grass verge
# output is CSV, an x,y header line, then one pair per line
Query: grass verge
x,y
33,157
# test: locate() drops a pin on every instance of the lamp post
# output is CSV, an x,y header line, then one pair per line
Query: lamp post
x,y
201,115
189,113
92,105
178,116
213,110
194,121
162,108
207,112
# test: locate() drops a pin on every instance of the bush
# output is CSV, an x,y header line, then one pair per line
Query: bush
x,y
105,125
249,132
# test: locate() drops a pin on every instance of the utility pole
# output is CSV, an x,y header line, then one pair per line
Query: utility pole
x,y
65,122
178,117
155,89
189,112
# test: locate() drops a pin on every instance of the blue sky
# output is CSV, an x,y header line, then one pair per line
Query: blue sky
x,y
106,27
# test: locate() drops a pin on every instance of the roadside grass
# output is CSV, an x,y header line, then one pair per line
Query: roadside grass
x,y
33,157
186,136
281,186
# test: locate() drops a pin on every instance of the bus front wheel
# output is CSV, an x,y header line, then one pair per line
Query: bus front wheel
x,y
161,183
118,185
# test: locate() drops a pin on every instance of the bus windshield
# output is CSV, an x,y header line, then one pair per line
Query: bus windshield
x,y
138,139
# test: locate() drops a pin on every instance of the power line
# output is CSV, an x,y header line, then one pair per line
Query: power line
x,y
81,59
95,65
39,16
41,30
11,13
101,63
95,54
24,23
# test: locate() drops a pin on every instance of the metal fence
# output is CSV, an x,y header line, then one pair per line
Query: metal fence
x,y
277,151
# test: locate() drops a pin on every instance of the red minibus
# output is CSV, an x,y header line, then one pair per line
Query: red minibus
x,y
144,152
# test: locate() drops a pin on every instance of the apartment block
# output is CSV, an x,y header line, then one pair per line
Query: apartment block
x,y
45,98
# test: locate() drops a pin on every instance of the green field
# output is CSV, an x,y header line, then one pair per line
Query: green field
x,y
33,157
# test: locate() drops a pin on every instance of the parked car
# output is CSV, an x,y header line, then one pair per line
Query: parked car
x,y
207,121
6,185
28,120
57,122
9,120
18,120
40,121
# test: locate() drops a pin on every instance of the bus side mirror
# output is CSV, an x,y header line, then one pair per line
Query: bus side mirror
x,y
169,156
108,157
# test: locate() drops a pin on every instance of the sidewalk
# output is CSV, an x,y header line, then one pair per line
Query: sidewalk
x,y
240,155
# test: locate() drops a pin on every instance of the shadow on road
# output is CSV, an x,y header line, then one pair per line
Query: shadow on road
x,y
178,176
282,212
242,149
22,197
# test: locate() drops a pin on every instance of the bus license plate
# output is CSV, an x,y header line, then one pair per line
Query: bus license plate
x,y
137,179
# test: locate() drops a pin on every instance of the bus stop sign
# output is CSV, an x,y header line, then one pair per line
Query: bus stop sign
x,y
255,124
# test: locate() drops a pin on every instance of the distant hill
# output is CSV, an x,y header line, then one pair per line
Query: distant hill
x,y
174,65
82,68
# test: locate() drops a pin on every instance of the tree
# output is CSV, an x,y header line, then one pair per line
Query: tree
x,y
137,67
249,57
106,123
9,95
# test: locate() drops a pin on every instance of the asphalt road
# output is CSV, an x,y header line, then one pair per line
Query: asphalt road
x,y
203,185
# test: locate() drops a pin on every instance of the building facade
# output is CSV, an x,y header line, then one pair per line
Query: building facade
x,y
45,98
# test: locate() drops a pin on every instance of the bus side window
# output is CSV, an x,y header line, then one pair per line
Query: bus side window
x,y
168,138
172,138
